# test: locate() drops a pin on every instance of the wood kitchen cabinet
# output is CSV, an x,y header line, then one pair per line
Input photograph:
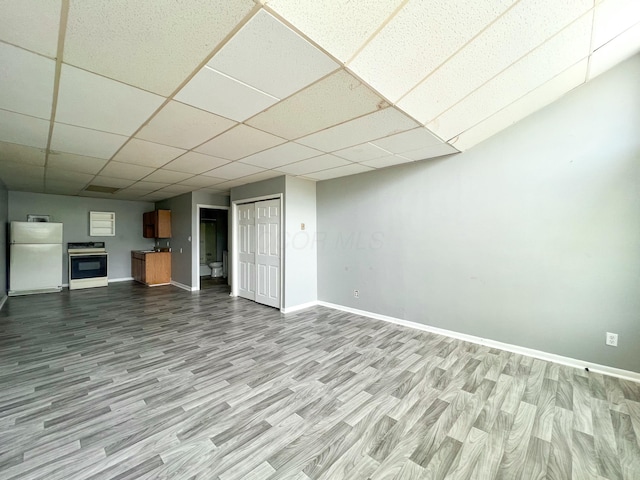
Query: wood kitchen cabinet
x,y
151,268
156,224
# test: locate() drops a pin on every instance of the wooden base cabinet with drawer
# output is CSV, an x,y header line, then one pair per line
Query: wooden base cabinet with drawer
x,y
151,268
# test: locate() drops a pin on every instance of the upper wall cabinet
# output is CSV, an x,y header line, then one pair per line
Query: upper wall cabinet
x,y
157,224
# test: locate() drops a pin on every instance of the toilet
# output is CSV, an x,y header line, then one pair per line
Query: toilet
x,y
216,269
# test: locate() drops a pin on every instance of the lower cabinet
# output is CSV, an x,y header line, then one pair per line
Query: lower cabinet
x,y
151,268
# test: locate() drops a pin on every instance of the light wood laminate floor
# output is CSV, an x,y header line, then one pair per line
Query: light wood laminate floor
x,y
130,382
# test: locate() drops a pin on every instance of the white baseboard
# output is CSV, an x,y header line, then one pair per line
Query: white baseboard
x,y
124,279
183,286
530,352
302,306
3,300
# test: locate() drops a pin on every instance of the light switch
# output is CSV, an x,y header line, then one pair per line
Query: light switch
x,y
302,226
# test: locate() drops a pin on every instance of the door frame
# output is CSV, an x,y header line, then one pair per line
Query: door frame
x,y
195,261
234,239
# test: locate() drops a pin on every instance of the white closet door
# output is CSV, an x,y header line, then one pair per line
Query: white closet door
x,y
247,251
268,253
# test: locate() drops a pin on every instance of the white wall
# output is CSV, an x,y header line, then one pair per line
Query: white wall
x,y
531,238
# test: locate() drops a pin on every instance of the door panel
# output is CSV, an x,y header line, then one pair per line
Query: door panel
x,y
246,251
268,254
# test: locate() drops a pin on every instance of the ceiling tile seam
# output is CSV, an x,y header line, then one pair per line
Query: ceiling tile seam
x,y
453,139
27,50
62,31
375,33
450,57
25,115
588,12
614,38
242,83
199,67
286,164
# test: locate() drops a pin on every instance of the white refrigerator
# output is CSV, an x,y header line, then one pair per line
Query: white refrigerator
x,y
35,258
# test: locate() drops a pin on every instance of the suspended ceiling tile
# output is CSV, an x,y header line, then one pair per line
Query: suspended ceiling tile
x,y
183,126
22,129
281,155
418,39
233,170
526,105
238,102
27,82
340,26
352,169
92,101
62,187
22,176
617,50
158,44
553,57
335,99
192,162
432,151
31,24
323,162
612,17
370,127
105,181
127,171
521,29
239,142
148,154
388,161
79,163
200,181
175,189
11,152
271,57
407,141
147,187
361,153
83,141
167,176
258,177
68,176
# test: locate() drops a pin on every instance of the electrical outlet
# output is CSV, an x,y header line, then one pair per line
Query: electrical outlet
x,y
612,339
356,293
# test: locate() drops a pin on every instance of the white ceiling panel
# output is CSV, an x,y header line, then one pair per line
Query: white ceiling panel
x,y
63,187
78,178
183,126
83,141
27,82
14,170
361,153
147,187
567,48
407,141
105,181
323,162
527,25
430,152
127,171
388,161
258,177
281,155
31,24
200,181
340,26
175,189
92,101
271,57
239,142
148,154
78,163
233,170
239,101
352,169
167,176
152,45
617,50
22,129
532,101
335,99
612,17
370,127
11,152
419,38
192,162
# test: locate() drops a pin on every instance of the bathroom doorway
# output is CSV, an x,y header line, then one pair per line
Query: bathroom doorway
x,y
213,237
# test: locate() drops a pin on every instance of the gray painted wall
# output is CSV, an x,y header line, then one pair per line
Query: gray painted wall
x,y
4,218
531,238
180,241
300,272
73,212
272,186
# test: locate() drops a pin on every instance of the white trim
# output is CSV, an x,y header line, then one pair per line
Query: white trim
x,y
530,352
3,300
195,260
302,306
124,279
183,286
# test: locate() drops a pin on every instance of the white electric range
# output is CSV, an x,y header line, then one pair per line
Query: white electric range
x,y
87,265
